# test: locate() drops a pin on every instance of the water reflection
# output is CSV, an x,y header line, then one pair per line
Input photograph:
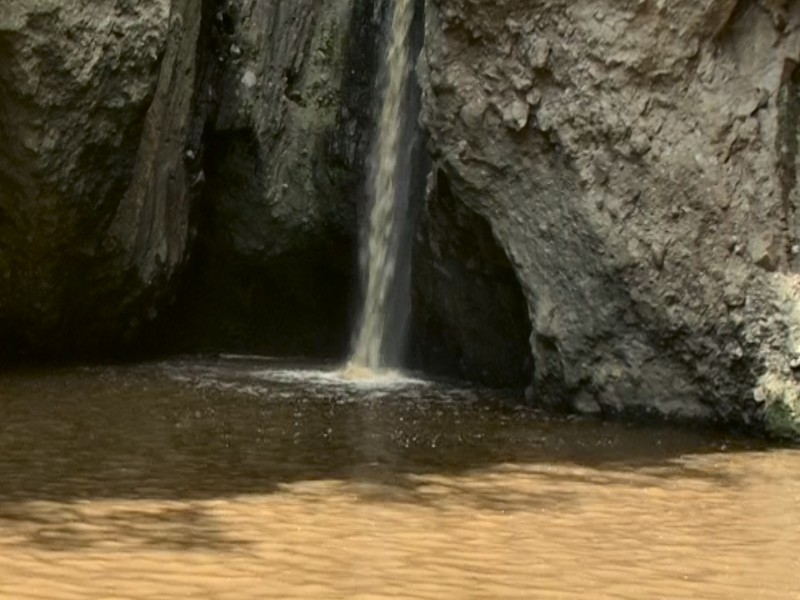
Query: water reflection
x,y
226,479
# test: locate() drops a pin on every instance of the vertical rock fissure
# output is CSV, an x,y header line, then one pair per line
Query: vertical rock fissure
x,y
787,152
380,329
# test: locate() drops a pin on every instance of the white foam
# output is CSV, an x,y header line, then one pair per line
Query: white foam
x,y
344,377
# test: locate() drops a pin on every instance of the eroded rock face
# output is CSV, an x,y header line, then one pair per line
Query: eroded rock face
x,y
637,161
283,114
97,101
126,127
631,165
286,159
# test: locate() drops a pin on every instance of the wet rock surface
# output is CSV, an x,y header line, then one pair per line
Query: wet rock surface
x,y
637,163
275,269
294,120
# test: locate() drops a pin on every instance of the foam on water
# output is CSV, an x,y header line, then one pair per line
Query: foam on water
x,y
254,374
348,377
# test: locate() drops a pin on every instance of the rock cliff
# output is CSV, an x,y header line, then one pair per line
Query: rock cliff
x,y
97,101
637,162
134,136
285,163
612,211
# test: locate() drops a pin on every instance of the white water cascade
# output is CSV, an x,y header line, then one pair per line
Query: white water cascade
x,y
375,339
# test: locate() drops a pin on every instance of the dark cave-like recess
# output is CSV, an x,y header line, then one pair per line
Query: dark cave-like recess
x,y
470,317
292,303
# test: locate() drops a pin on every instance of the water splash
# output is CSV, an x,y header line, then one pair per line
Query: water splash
x,y
375,339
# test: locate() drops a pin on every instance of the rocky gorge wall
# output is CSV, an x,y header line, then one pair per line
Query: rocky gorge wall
x,y
97,105
637,161
611,215
187,170
285,160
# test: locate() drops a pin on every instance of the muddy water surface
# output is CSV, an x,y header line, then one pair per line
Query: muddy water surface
x,y
240,479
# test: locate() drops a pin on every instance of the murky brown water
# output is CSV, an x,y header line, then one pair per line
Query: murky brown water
x,y
217,481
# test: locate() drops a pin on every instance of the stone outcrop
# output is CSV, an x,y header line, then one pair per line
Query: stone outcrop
x,y
637,162
97,101
295,105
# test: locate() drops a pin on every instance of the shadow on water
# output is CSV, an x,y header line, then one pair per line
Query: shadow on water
x,y
65,528
186,433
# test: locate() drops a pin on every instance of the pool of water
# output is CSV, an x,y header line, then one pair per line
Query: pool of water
x,y
242,478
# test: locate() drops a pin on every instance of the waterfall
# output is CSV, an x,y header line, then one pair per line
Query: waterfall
x,y
380,336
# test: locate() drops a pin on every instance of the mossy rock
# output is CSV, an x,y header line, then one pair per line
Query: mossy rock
x,y
782,407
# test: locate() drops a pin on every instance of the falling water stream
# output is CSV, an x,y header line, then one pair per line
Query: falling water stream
x,y
384,237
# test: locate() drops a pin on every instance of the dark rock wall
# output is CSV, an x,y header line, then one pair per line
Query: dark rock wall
x,y
470,315
285,163
96,108
135,136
